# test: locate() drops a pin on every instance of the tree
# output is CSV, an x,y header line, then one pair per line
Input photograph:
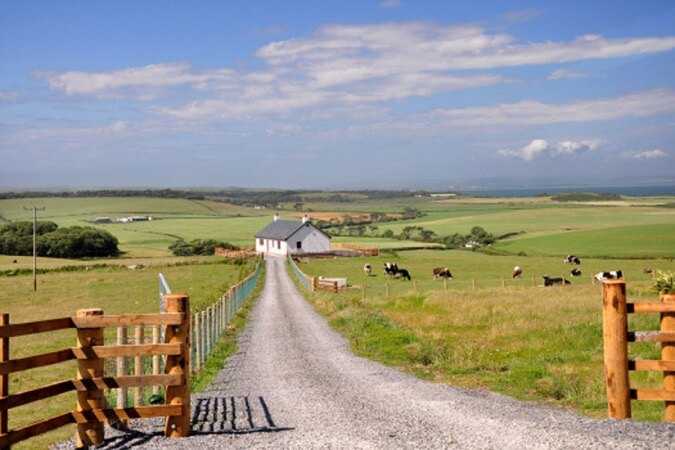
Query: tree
x,y
16,238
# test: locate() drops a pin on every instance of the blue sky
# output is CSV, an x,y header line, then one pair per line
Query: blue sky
x,y
343,94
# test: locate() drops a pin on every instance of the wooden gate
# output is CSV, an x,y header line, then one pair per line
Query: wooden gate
x,y
91,410
617,363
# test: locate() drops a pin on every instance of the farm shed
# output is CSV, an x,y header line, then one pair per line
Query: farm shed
x,y
291,237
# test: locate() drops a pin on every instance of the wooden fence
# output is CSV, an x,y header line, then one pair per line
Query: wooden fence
x,y
616,337
90,352
367,251
313,283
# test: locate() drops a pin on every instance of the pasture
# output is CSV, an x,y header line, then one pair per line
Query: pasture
x,y
530,342
527,341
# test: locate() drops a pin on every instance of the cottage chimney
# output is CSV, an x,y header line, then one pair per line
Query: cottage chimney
x,y
276,217
305,219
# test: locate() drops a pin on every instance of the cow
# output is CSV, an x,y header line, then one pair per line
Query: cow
x,y
575,272
402,273
517,272
648,270
390,269
548,281
442,272
611,275
571,259
367,268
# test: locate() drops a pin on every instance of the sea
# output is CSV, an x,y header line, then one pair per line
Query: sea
x,y
532,191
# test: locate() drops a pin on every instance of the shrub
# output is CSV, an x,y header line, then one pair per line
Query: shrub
x,y
199,247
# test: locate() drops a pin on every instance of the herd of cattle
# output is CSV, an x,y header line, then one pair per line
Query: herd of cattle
x,y
392,270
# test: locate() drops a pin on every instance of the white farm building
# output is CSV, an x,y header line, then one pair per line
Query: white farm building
x,y
291,237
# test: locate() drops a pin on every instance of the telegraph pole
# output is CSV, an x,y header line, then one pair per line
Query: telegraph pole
x,y
35,209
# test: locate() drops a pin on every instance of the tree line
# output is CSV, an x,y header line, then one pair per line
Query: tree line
x,y
270,198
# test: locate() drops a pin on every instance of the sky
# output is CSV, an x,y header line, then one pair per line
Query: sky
x,y
334,94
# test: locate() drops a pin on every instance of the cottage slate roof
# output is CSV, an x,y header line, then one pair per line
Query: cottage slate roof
x,y
283,229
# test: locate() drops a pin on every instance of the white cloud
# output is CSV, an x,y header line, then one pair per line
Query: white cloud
x,y
637,104
541,147
350,64
9,95
435,47
574,147
139,82
390,3
566,74
650,154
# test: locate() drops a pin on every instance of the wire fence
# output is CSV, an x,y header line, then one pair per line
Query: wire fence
x,y
208,325
303,278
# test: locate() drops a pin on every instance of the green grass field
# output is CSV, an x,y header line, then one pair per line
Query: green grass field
x,y
530,342
524,340
117,290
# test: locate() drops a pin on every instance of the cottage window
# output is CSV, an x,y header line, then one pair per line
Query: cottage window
x,y
298,245
261,241
279,245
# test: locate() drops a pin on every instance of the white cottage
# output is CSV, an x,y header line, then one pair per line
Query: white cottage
x,y
291,237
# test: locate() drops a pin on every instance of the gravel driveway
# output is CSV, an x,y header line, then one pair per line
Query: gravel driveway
x,y
294,384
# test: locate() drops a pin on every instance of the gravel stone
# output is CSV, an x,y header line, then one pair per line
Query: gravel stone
x,y
294,384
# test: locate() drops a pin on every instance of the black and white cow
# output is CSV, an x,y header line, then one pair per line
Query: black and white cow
x,y
571,259
611,275
575,272
402,273
548,281
442,272
367,268
390,269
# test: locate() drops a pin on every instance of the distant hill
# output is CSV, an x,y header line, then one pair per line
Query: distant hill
x,y
585,197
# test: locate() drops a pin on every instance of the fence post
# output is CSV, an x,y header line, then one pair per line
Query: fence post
x,y
90,433
139,334
615,337
4,379
155,358
668,354
198,339
122,371
178,426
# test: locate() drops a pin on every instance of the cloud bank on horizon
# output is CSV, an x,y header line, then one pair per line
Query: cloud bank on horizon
x,y
384,93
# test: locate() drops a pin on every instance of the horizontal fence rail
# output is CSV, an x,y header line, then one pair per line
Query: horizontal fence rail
x,y
90,383
616,338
